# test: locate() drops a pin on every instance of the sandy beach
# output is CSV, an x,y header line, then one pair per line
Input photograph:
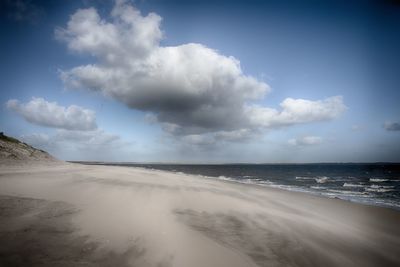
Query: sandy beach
x,y
65,214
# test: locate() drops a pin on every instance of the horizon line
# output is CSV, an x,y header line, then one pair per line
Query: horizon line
x,y
228,163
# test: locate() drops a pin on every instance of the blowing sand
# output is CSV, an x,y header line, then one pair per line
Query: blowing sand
x,y
77,215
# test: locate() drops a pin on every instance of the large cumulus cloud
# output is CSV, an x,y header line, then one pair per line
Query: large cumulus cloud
x,y
190,89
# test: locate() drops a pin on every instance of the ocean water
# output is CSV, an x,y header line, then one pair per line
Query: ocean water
x,y
374,184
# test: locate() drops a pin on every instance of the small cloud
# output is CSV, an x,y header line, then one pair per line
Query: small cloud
x,y
50,114
296,111
356,127
305,141
392,126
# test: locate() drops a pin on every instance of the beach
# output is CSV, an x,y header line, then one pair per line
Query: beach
x,y
66,214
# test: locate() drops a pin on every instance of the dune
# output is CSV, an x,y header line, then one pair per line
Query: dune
x,y
15,152
66,214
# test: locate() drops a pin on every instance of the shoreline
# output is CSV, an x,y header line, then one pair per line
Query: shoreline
x,y
141,217
228,179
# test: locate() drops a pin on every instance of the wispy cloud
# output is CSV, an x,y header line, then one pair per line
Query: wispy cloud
x,y
305,141
95,145
357,127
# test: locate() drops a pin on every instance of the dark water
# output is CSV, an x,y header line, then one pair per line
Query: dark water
x,y
376,184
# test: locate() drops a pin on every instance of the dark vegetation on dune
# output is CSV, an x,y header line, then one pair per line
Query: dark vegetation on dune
x,y
12,149
8,138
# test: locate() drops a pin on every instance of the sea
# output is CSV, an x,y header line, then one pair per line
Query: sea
x,y
366,183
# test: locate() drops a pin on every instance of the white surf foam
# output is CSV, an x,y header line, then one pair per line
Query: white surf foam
x,y
322,179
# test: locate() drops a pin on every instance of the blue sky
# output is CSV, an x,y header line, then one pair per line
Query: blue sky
x,y
163,85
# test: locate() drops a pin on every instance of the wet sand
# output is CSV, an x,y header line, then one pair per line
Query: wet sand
x,y
66,214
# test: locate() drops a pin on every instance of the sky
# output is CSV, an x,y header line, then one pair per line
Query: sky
x,y
203,81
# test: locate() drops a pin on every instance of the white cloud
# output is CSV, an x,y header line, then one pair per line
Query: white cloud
x,y
305,141
50,114
295,111
129,34
392,126
189,89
